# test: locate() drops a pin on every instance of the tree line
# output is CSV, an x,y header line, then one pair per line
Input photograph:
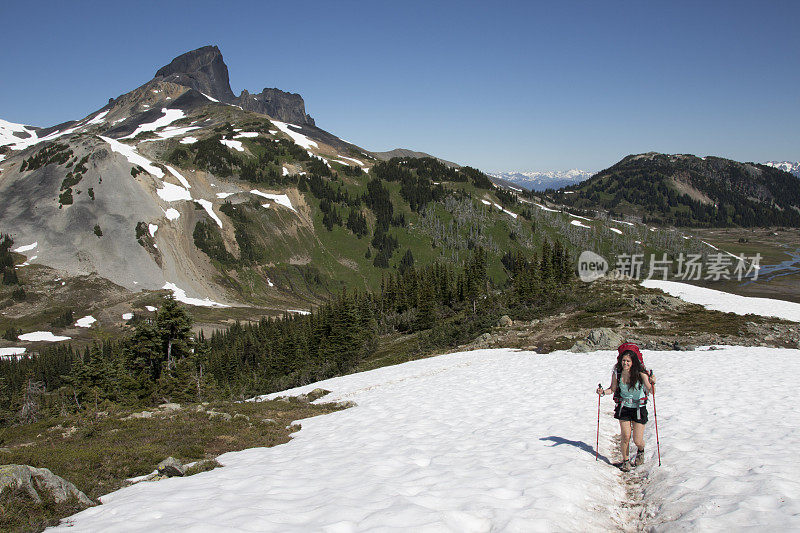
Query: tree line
x,y
161,360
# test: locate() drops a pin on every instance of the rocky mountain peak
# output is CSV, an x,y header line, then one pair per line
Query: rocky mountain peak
x,y
203,70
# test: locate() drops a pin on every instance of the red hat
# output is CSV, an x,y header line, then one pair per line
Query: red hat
x,y
629,346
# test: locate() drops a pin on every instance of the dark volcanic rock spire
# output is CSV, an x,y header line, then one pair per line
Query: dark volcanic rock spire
x,y
203,70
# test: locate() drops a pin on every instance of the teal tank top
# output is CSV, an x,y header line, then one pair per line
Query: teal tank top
x,y
631,396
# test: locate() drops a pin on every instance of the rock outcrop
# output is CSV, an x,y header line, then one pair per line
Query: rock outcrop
x,y
202,70
171,467
286,107
599,339
40,480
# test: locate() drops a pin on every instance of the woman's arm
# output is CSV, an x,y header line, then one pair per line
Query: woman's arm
x,y
609,390
648,381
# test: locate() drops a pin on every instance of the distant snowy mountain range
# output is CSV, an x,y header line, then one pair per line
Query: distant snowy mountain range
x,y
792,167
539,180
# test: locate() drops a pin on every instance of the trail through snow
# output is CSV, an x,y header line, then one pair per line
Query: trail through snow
x,y
497,440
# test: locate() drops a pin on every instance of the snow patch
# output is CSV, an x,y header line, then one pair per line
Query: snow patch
x,y
285,171
188,140
224,195
540,206
356,161
299,311
579,224
170,116
86,322
207,206
133,157
615,230
127,316
180,295
172,214
236,145
178,175
98,118
281,199
151,308
297,137
43,336
6,352
246,135
172,193
26,248
152,228
622,222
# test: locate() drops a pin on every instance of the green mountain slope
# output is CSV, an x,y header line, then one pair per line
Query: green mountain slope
x,y
685,190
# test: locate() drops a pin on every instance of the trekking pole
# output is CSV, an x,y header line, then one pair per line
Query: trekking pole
x,y
597,446
655,416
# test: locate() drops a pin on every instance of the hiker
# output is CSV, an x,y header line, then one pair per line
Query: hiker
x,y
630,384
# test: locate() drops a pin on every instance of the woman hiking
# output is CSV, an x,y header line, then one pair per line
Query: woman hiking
x,y
630,385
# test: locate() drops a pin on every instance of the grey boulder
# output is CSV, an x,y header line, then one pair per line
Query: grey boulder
x,y
35,480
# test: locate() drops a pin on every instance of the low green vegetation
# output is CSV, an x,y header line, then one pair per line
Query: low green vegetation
x,y
98,450
55,153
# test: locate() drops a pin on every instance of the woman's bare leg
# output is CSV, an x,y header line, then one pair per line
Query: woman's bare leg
x,y
625,437
638,435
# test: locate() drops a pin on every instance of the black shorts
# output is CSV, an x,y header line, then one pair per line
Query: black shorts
x,y
630,413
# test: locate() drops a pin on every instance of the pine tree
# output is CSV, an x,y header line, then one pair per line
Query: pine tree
x,y
175,329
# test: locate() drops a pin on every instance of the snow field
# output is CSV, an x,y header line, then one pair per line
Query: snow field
x,y
727,302
728,460
502,440
615,230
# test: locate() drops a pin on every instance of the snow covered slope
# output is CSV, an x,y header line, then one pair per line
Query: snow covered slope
x,y
502,440
792,167
727,302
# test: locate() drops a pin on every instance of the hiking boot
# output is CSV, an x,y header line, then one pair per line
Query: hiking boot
x,y
625,466
639,459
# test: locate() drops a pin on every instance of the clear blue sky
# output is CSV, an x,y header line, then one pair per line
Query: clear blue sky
x,y
511,86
